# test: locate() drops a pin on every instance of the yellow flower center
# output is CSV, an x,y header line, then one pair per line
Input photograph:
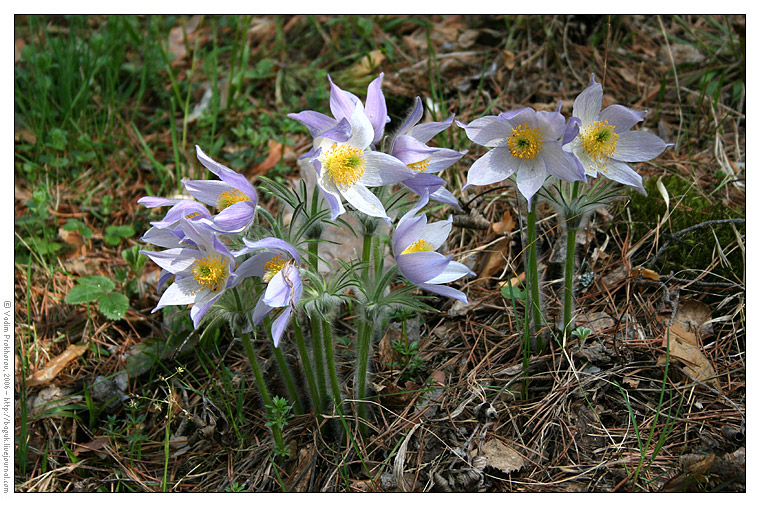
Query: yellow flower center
x,y
599,140
420,166
344,165
525,142
227,199
273,267
418,246
211,272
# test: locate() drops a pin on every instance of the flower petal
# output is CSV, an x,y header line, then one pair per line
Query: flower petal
x,y
174,260
424,182
446,197
436,233
375,108
638,146
444,158
424,132
154,202
588,103
200,308
445,290
235,218
207,191
314,121
260,312
487,131
362,198
339,133
454,271
414,117
362,132
342,103
621,117
561,164
181,292
255,265
234,179
419,267
496,165
272,244
383,169
409,150
622,173
551,123
531,177
278,325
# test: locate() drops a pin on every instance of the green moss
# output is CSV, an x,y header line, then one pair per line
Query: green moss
x,y
689,205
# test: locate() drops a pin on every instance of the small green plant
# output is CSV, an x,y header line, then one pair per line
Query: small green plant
x,y
582,333
278,413
101,289
410,361
72,224
115,234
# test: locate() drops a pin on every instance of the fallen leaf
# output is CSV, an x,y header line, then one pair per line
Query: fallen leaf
x,y
57,364
614,278
74,239
645,273
275,154
502,457
692,314
387,354
506,225
95,445
509,59
494,259
597,322
695,467
369,63
683,350
177,43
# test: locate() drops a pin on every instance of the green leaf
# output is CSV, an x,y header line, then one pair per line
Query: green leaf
x,y
123,231
83,294
97,282
508,292
113,305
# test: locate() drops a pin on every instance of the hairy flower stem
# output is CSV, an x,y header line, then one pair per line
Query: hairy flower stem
x,y
246,339
331,369
569,273
534,300
306,363
319,361
287,376
276,431
362,361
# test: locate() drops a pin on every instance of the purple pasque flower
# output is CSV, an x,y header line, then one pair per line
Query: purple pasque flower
x,y
408,145
202,271
414,246
526,143
341,155
277,263
605,141
167,232
232,194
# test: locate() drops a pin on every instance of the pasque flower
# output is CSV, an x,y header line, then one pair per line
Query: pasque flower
x,y
233,195
341,153
203,270
277,263
408,145
524,142
414,246
605,141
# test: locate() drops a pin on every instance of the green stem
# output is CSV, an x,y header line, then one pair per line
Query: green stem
x,y
569,272
276,431
331,369
319,362
362,360
290,384
367,249
534,299
306,362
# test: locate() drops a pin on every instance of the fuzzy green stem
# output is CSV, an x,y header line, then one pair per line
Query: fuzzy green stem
x,y
534,299
331,369
306,362
287,376
276,431
569,273
367,249
319,361
362,361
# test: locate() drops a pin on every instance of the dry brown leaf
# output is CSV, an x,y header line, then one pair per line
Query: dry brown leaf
x,y
57,364
683,350
597,322
73,238
645,273
494,260
695,467
177,45
692,314
509,59
502,457
515,281
275,154
368,63
506,225
614,278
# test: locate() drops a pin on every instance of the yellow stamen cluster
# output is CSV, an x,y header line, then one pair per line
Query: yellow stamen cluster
x,y
227,199
273,267
211,272
344,165
525,142
193,215
418,246
420,166
599,140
